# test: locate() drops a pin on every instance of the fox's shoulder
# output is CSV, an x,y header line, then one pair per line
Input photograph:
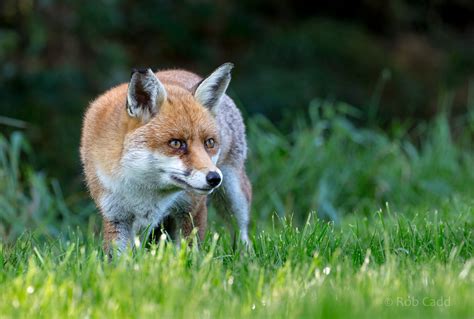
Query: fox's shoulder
x,y
185,79
104,126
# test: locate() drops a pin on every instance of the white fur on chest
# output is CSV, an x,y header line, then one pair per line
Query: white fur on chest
x,y
123,200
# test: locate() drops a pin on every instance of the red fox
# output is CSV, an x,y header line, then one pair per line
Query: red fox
x,y
155,148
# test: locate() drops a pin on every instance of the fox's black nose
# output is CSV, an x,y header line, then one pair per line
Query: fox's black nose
x,y
213,179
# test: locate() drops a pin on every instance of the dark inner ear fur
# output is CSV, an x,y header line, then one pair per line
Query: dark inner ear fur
x,y
216,95
145,94
210,90
141,96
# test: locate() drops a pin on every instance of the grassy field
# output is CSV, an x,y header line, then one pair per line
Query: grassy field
x,y
412,258
386,265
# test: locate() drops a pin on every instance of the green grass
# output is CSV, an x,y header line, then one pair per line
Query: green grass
x,y
386,265
29,199
330,165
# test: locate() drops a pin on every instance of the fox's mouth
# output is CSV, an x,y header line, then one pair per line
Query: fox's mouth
x,y
181,183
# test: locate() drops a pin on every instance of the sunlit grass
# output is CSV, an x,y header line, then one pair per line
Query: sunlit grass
x,y
390,266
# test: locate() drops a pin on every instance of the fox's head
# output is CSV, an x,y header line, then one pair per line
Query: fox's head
x,y
176,143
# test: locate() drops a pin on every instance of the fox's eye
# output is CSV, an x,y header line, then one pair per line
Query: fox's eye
x,y
210,143
177,144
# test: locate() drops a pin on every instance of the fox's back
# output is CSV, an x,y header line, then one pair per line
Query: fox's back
x,y
182,78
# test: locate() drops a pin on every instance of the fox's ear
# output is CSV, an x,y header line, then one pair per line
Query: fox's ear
x,y
145,94
210,91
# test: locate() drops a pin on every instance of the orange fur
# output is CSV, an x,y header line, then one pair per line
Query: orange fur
x,y
107,124
134,174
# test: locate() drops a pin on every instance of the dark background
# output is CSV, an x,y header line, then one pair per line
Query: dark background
x,y
396,61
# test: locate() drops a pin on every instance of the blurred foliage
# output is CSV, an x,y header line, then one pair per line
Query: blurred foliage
x,y
395,57
28,199
329,165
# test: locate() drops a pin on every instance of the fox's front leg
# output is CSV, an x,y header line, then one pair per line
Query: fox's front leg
x,y
196,218
237,191
117,235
